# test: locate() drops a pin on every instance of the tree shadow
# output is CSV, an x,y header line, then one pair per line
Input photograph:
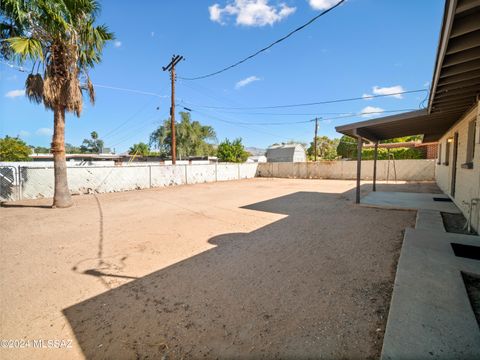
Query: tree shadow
x,y
289,289
101,263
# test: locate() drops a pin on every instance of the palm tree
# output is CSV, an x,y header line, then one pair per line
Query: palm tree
x,y
61,36
192,138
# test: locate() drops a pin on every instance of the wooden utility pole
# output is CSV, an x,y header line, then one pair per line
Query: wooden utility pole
x,y
171,67
315,139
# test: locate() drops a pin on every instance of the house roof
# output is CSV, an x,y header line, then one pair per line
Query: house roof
x,y
455,86
284,146
78,156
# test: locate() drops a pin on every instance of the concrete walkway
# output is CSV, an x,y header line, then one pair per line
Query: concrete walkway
x,y
410,201
430,314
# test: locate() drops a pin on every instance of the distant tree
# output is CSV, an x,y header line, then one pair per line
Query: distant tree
x,y
139,149
14,149
403,139
232,151
192,138
326,148
71,149
347,147
93,145
41,150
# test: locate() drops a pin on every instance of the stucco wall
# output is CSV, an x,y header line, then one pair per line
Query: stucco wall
x,y
408,170
467,180
38,182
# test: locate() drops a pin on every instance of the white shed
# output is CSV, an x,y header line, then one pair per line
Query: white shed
x,y
286,153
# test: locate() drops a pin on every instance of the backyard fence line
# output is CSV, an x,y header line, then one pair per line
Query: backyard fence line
x,y
33,182
402,170
38,182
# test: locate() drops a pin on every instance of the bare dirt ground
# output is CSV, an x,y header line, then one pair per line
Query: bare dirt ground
x,y
261,268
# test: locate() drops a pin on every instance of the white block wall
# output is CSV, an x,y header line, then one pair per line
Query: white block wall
x,y
407,170
38,182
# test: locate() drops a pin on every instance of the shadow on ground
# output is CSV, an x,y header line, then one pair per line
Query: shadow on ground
x,y
306,286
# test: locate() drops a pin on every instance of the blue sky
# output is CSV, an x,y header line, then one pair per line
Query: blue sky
x,y
361,47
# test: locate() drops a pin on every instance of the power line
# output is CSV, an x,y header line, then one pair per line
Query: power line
x,y
234,123
307,104
136,130
117,130
265,48
131,90
22,69
302,121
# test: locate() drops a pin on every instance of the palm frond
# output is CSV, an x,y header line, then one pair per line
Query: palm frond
x,y
26,48
34,88
91,91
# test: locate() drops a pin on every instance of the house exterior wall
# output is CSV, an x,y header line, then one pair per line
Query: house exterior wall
x,y
467,180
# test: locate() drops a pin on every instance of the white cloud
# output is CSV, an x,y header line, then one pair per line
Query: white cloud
x,y
15,93
117,43
322,4
389,91
250,12
24,133
246,81
44,132
370,111
367,97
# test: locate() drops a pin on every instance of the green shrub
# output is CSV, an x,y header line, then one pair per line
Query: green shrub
x,y
398,153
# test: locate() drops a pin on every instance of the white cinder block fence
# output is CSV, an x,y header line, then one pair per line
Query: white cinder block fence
x,y
37,182
32,182
407,170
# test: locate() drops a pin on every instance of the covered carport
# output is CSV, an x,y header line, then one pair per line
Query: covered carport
x,y
421,122
455,87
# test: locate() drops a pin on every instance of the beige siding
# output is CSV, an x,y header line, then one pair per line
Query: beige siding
x,y
467,180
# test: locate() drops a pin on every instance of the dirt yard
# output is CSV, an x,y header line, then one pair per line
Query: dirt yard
x,y
261,268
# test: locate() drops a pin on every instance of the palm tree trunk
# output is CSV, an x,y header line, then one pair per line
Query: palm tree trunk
x,y
61,197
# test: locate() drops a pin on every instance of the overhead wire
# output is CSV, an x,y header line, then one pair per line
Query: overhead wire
x,y
234,123
324,102
129,119
265,48
320,119
135,130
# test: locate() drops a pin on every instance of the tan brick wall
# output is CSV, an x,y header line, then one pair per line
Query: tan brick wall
x,y
467,180
431,151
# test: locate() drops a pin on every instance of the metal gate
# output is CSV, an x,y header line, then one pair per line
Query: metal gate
x,y
9,183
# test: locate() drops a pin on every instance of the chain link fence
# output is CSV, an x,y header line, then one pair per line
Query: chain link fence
x,y
9,183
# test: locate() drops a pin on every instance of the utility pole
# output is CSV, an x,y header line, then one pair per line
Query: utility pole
x,y
315,139
171,67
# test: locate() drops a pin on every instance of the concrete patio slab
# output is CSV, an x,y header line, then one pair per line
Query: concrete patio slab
x,y
430,314
410,201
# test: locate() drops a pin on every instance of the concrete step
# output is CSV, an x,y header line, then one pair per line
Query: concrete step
x,y
429,220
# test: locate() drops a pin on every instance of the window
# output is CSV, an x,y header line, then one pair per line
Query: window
x,y
447,151
470,145
439,154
